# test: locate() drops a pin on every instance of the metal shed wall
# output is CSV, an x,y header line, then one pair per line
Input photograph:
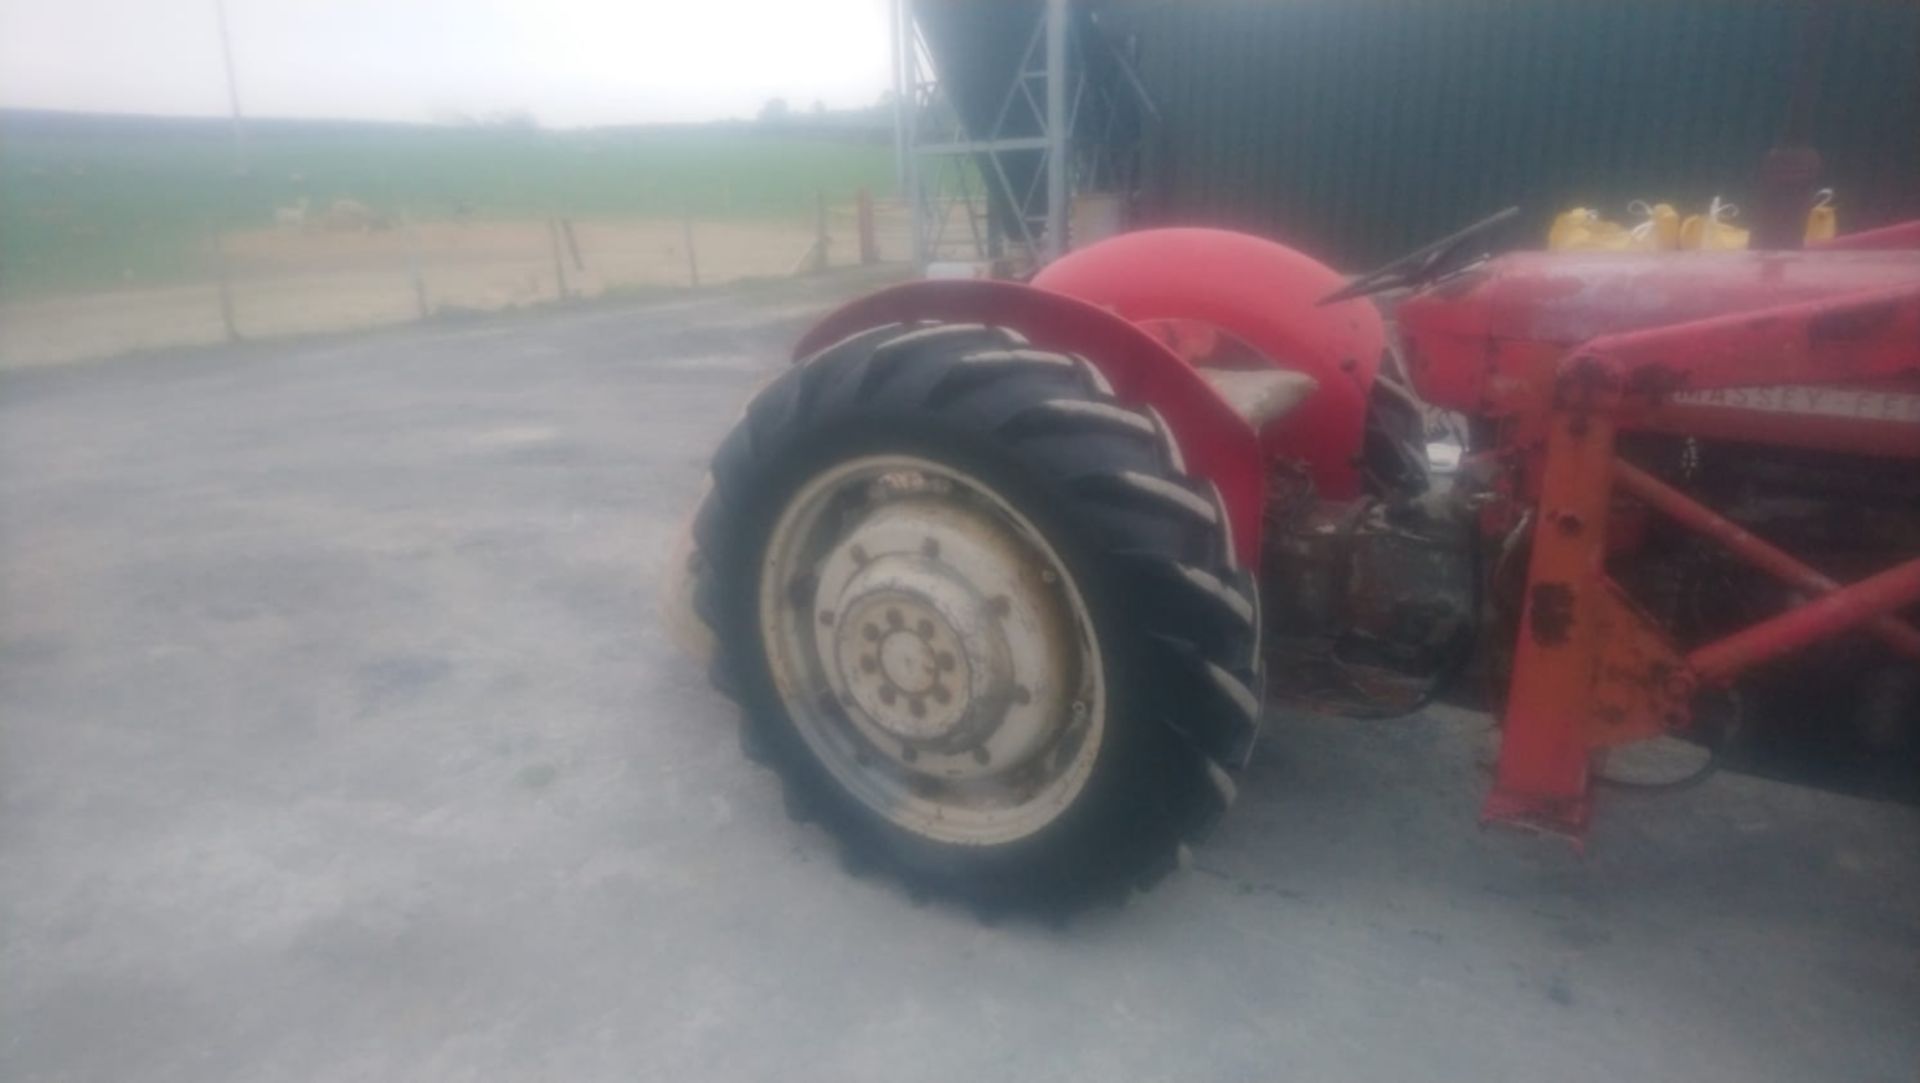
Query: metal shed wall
x,y
1358,128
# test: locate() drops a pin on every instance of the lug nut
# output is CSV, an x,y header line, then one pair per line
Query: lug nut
x,y
980,754
925,628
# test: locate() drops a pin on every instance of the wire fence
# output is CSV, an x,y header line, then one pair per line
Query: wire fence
x,y
124,234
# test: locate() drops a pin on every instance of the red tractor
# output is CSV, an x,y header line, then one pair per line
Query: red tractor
x,y
1002,576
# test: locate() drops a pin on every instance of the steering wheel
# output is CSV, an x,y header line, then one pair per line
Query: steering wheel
x,y
1418,267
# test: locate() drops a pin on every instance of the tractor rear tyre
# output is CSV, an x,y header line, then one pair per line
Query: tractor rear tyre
x,y
979,620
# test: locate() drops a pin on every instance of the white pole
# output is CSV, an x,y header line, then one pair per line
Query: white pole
x,y
1057,135
909,133
233,88
899,25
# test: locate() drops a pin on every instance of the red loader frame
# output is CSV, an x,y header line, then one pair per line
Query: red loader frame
x,y
1591,671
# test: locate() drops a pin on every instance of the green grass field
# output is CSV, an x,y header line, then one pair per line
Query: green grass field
x,y
93,202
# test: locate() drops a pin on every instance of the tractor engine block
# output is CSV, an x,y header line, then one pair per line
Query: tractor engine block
x,y
1371,603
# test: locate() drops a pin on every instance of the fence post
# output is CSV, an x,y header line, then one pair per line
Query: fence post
x,y
820,232
226,285
693,264
413,269
863,213
559,266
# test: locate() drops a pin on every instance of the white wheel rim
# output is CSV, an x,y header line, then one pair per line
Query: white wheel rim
x,y
932,650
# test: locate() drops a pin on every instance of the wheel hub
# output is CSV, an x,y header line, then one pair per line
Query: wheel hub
x,y
909,645
946,643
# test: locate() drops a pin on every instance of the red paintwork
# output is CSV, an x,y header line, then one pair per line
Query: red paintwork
x,y
1541,778
1588,669
1567,298
1477,342
1217,444
1264,294
1849,435
1842,338
1899,235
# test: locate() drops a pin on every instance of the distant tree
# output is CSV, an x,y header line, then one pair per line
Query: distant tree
x,y
819,108
776,111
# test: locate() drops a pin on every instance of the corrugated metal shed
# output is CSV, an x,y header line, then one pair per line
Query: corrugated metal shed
x,y
1358,128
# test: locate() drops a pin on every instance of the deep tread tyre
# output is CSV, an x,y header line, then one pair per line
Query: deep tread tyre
x,y
1147,547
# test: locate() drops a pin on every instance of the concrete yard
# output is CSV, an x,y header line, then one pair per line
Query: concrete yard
x,y
339,739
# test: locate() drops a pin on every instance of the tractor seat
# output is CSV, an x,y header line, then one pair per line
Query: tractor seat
x,y
1260,395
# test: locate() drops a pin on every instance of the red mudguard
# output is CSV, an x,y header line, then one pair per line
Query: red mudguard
x,y
1215,442
1265,294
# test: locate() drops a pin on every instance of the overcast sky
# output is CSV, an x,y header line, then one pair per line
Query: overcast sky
x,y
569,62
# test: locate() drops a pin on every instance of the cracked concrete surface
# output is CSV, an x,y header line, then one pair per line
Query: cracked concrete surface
x,y
339,740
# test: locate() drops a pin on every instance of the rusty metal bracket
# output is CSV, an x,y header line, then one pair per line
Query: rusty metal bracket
x,y
1641,684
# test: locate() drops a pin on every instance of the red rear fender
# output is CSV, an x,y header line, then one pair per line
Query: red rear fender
x,y
1215,442
1265,294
